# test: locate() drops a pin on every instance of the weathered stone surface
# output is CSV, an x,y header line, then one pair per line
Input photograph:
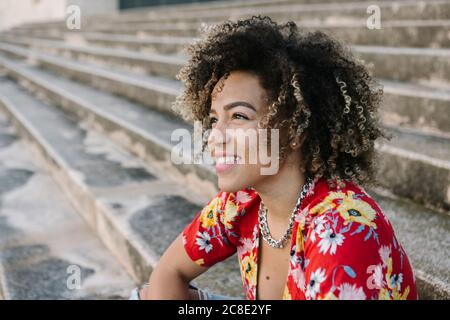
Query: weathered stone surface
x,y
41,235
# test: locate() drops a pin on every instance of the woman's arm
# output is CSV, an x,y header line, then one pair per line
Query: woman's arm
x,y
171,277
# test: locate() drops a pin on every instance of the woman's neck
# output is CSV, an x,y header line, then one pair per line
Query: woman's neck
x,y
280,192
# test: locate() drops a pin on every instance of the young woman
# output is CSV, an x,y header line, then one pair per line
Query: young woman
x,y
308,230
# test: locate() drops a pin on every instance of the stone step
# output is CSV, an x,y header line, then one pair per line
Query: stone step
x,y
415,106
408,105
152,44
138,126
431,66
395,33
136,62
149,45
134,208
406,33
325,12
46,249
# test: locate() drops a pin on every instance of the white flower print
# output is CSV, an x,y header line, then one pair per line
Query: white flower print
x,y
396,281
204,241
242,197
247,246
385,253
301,216
311,189
319,226
184,240
351,292
299,278
295,259
255,232
317,277
330,240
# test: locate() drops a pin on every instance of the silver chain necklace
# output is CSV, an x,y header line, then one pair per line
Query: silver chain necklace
x,y
262,219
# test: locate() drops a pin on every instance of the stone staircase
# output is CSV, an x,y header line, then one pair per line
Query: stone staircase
x,y
93,107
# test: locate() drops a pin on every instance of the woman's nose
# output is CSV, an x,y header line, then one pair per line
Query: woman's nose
x,y
219,135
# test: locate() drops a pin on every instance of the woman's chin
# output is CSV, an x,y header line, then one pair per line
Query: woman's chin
x,y
230,185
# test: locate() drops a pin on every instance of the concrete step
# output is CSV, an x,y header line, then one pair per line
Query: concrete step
x,y
148,45
431,66
46,249
136,62
408,105
324,12
417,107
406,33
141,131
123,199
151,91
152,44
395,33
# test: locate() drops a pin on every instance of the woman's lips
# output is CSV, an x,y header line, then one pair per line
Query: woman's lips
x,y
225,164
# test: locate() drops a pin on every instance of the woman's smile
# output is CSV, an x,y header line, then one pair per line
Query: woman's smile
x,y
225,163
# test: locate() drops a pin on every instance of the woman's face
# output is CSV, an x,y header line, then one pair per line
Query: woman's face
x,y
237,104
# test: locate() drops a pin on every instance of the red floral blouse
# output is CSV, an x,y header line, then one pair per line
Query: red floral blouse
x,y
343,246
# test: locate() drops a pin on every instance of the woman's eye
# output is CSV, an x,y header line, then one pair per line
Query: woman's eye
x,y
212,120
239,116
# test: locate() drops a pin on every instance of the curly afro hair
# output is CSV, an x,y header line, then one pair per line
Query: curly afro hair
x,y
314,84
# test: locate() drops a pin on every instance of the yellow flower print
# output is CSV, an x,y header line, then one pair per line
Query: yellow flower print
x,y
329,296
230,212
248,269
208,217
397,295
350,209
357,210
200,262
286,294
326,204
392,290
299,241
384,294
389,273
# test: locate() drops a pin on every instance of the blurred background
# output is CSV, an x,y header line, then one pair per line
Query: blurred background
x,y
89,195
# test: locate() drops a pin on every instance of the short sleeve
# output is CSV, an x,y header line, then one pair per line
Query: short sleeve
x,y
212,235
351,253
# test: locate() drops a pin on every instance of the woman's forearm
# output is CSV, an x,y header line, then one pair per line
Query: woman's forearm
x,y
167,285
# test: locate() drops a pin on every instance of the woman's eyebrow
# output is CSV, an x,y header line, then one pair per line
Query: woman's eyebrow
x,y
235,104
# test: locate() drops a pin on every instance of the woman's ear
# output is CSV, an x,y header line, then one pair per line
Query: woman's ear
x,y
297,142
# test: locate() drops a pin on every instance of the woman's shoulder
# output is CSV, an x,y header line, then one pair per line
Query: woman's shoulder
x,y
228,208
349,210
